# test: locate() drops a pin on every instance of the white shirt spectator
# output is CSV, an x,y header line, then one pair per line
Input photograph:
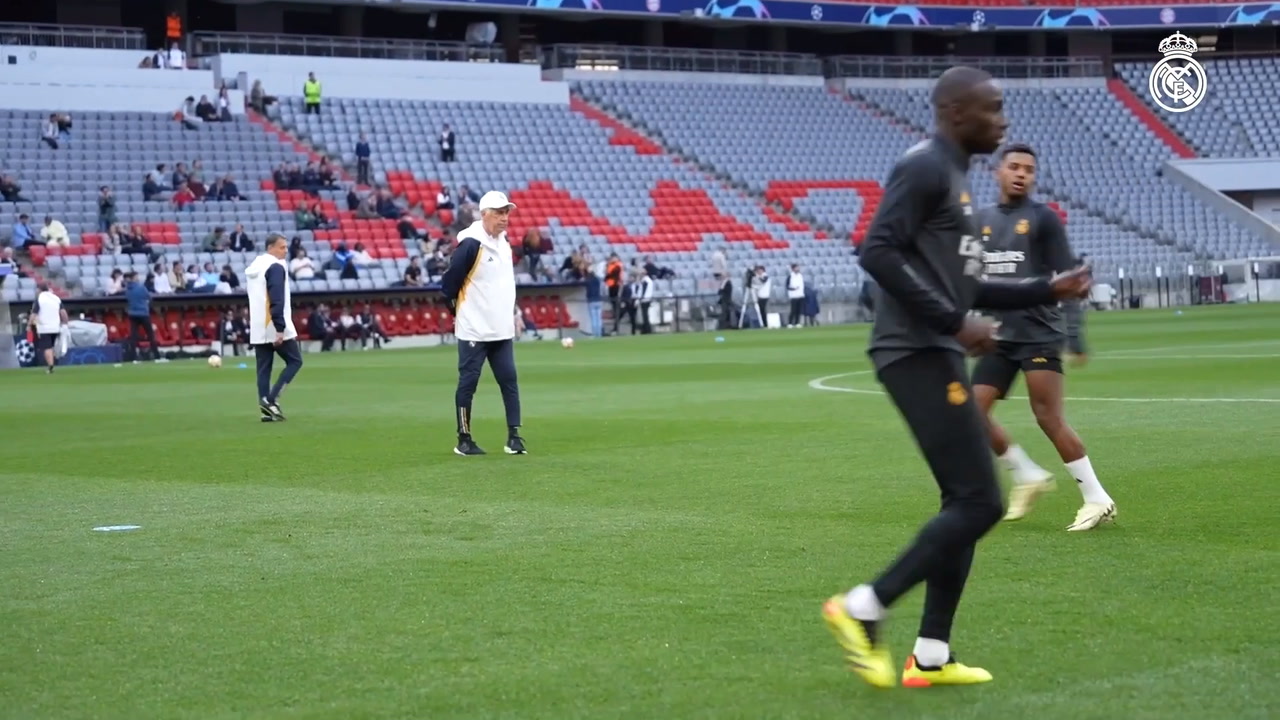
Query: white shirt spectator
x,y
302,269
795,286
163,286
55,233
48,312
646,289
177,58
362,258
764,290
345,319
115,285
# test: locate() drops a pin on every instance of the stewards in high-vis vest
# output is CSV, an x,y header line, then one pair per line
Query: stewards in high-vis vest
x,y
311,94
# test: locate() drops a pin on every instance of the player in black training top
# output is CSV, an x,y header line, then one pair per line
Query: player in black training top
x,y
1023,238
925,254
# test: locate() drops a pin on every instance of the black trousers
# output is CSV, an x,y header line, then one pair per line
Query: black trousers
x,y
501,356
763,304
932,392
264,356
362,171
797,305
149,333
313,108
646,326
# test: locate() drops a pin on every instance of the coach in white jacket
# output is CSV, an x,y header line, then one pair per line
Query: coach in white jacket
x,y
271,330
795,294
480,290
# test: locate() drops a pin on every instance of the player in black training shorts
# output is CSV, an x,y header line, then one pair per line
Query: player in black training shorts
x,y
925,252
1025,239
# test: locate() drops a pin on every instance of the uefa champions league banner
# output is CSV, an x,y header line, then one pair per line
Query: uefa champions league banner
x,y
792,11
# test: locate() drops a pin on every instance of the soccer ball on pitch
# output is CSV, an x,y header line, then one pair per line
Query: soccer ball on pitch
x,y
215,361
566,343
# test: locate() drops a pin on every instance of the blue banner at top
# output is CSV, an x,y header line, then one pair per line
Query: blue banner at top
x,y
1000,18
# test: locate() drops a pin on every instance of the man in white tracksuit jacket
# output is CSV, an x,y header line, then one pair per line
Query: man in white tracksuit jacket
x,y
480,290
271,330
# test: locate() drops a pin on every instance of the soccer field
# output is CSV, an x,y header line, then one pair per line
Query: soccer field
x,y
662,553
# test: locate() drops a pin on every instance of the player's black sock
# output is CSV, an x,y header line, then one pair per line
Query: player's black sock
x,y
513,430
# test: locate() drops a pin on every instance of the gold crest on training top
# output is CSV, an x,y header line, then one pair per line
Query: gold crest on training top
x,y
1023,227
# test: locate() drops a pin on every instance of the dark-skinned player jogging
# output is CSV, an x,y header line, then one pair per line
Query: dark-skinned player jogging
x,y
925,255
1022,239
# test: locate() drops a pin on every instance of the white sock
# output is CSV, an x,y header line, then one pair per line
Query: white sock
x,y
1090,488
862,604
1021,466
931,653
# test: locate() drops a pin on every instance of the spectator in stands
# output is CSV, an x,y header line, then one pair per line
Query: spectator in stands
x,y
183,198
177,58
387,207
353,199
180,175
49,131
115,283
406,228
210,275
10,190
280,176
348,328
205,110
186,114
311,94
295,247
413,273
361,256
150,190
531,251
224,104
54,233
311,182
444,199
437,263
216,241
229,278
195,179
342,260
240,241
448,144
106,208
719,263
613,281
301,267
571,269
328,176
657,273
193,280
160,176
368,209
160,60
111,240
467,196
159,281
64,127
258,97
371,327
320,326
227,189
363,155
177,278
22,235
136,242
233,332
323,222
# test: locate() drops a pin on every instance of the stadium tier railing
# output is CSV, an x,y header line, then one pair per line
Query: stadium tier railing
x,y
208,44
904,68
73,36
627,57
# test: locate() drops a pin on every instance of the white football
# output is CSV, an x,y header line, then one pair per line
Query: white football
x,y
215,361
566,343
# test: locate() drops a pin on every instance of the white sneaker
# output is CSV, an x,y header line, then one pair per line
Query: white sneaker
x,y
1091,515
1025,492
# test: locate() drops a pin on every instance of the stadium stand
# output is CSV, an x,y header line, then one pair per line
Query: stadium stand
x,y
1122,212
1236,118
577,172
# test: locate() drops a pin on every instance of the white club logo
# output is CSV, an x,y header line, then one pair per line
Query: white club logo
x,y
1177,83
815,12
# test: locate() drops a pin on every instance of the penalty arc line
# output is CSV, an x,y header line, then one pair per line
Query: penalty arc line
x,y
821,384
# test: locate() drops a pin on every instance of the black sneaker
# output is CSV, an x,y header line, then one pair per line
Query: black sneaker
x,y
467,446
271,409
515,446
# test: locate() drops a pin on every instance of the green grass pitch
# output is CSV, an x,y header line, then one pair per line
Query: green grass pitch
x,y
662,554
